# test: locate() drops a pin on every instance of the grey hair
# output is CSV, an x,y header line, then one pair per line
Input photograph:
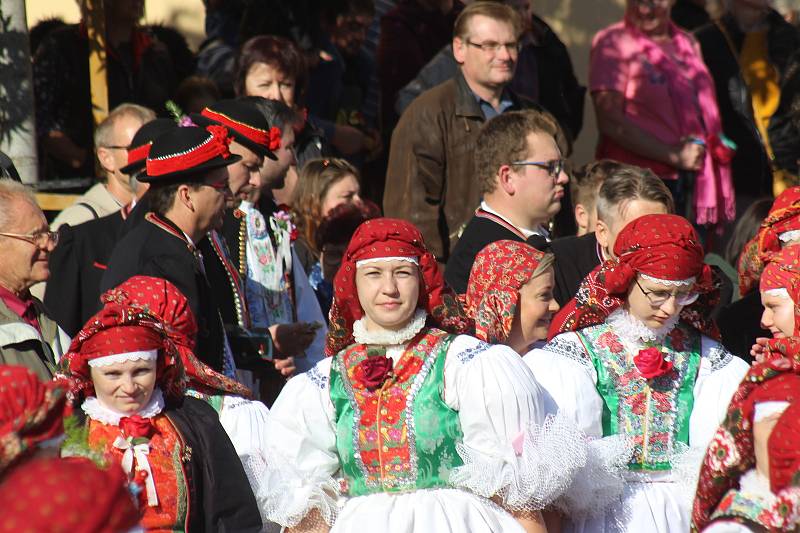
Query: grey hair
x,y
10,192
103,135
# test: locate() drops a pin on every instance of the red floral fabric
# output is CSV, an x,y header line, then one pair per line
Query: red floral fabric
x,y
163,300
783,216
30,412
661,246
782,271
66,496
498,273
389,237
731,452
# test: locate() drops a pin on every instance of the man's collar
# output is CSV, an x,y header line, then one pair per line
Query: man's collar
x,y
541,230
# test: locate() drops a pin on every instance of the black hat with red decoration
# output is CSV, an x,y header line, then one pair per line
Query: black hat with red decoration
x,y
143,141
247,124
188,154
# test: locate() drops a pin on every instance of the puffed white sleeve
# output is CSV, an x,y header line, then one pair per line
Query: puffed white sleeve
x,y
511,448
308,310
300,443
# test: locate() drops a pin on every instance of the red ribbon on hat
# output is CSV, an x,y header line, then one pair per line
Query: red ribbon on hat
x,y
139,153
256,135
216,145
274,138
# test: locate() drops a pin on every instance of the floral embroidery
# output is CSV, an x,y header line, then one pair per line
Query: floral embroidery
x,y
678,339
610,341
778,513
317,378
469,354
722,452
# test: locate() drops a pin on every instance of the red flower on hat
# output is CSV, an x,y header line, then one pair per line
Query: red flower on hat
x,y
651,363
274,138
372,372
137,427
220,138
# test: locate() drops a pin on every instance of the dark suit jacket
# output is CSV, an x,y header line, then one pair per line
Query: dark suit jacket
x,y
740,324
152,251
77,266
576,257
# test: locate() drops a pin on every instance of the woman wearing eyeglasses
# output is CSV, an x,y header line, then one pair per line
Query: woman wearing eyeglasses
x,y
657,108
636,357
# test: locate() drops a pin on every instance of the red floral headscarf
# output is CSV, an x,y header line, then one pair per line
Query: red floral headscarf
x,y
663,247
163,300
31,412
731,452
782,271
66,496
498,273
389,237
784,216
119,329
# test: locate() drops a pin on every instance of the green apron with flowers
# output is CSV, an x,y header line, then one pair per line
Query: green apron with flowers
x,y
655,412
394,432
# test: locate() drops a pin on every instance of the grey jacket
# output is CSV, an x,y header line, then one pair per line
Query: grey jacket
x,y
22,345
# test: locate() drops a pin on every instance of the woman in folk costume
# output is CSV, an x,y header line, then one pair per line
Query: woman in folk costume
x,y
416,427
750,479
243,420
129,380
636,361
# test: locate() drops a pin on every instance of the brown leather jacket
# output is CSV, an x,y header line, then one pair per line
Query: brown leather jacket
x,y
430,179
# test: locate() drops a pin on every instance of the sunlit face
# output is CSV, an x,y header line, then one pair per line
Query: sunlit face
x,y
209,200
388,292
650,16
273,172
24,263
487,68
643,292
535,310
125,387
778,315
344,191
536,192
268,82
244,175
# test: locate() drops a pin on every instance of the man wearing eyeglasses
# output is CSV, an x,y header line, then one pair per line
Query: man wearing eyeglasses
x,y
113,190
520,169
28,336
431,179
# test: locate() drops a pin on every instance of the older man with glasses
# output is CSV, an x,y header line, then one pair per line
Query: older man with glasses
x,y
28,336
431,179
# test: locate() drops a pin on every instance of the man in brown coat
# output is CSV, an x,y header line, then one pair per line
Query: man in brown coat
x,y
430,180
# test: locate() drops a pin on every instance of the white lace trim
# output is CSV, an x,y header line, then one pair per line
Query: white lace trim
x,y
670,282
778,293
789,236
141,355
386,337
95,410
552,454
363,262
632,330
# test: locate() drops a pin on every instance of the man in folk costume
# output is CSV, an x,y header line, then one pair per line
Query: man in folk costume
x,y
635,358
414,425
188,176
254,245
750,479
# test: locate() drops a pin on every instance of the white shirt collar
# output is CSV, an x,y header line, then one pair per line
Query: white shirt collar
x,y
541,230
385,337
97,411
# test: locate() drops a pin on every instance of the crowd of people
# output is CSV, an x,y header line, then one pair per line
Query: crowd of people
x,y
337,272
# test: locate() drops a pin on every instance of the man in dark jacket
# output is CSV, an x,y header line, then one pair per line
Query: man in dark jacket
x,y
430,180
748,37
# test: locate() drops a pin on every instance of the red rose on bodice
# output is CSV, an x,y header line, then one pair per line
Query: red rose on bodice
x,y
372,372
651,363
137,427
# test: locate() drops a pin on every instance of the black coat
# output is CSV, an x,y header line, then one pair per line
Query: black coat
x,y
77,266
479,233
576,257
152,251
740,324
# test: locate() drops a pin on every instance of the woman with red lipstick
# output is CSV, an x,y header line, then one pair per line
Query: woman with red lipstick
x,y
748,480
409,425
128,377
635,359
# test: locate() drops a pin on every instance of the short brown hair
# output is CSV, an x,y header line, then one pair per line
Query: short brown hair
x,y
492,10
313,183
586,181
504,139
277,52
628,183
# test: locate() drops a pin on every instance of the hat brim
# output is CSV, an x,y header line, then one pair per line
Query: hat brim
x,y
193,174
258,149
134,168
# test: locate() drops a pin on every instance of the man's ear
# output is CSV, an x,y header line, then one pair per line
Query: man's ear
x,y
183,196
602,233
106,159
459,49
581,219
505,179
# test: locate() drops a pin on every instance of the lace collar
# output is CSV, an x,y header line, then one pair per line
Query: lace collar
x,y
97,411
386,337
633,331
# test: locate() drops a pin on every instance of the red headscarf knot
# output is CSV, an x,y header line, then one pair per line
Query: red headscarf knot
x,y
388,237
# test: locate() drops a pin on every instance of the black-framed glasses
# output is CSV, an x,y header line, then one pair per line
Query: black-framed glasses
x,y
115,147
39,238
553,167
491,47
659,298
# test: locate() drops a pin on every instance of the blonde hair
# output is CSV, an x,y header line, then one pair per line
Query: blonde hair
x,y
492,10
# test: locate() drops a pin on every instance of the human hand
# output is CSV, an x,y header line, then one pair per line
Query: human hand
x,y
292,339
759,348
689,154
285,366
